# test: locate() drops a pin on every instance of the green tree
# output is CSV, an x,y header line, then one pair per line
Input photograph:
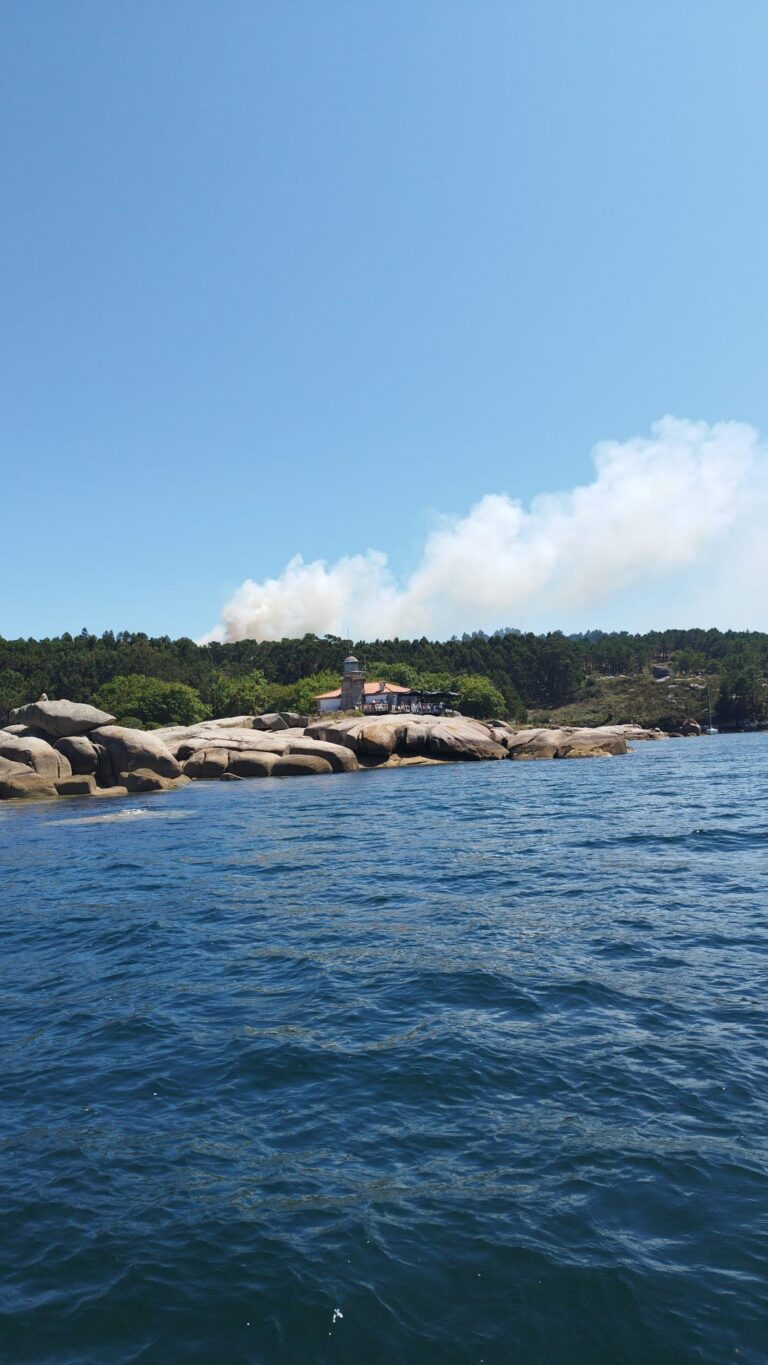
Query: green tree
x,y
514,704
743,698
559,669
151,700
405,675
240,696
478,697
436,682
689,661
529,670
308,688
281,697
14,691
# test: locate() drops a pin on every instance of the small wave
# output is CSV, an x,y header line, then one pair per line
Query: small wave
x,y
716,836
494,1095
133,813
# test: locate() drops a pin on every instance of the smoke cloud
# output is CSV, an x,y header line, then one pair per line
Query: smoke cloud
x,y
656,506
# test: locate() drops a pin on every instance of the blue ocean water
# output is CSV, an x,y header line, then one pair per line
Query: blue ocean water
x,y
456,1064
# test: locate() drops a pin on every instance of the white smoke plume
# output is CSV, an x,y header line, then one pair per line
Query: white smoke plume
x,y
656,505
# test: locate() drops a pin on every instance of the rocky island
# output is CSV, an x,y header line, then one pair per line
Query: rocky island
x,y
52,749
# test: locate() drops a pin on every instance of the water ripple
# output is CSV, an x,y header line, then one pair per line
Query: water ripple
x,y
442,1065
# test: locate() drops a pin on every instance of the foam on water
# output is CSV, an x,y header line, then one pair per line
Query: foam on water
x,y
125,813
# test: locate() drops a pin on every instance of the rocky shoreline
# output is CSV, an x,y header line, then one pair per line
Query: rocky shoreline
x,y
61,748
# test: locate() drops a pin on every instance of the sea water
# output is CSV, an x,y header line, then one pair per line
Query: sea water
x,y
452,1064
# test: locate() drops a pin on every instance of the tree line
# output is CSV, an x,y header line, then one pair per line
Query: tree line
x,y
158,680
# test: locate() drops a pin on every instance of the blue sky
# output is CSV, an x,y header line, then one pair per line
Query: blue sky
x,y
285,278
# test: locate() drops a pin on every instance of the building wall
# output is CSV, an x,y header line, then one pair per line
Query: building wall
x,y
352,691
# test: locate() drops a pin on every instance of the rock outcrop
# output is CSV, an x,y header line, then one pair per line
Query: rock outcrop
x,y
456,738
19,782
146,780
133,749
81,784
108,758
60,718
83,756
566,743
340,758
207,764
298,765
252,763
279,720
36,754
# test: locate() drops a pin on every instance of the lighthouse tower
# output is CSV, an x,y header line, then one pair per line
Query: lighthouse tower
x,y
352,684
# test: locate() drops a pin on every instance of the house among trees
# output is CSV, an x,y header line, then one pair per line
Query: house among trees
x,y
357,694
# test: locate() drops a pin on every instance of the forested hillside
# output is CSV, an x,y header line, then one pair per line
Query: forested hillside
x,y
159,680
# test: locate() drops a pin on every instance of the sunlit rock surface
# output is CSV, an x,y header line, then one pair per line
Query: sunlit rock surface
x,y
77,757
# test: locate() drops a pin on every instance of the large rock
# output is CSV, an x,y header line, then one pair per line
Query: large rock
x,y
20,783
216,760
81,753
60,718
229,723
12,765
257,763
130,750
334,731
591,744
299,765
377,736
413,761
144,780
533,744
182,749
207,763
10,771
271,721
36,754
632,733
184,741
236,741
105,768
341,759
371,737
84,784
566,743
460,739
279,720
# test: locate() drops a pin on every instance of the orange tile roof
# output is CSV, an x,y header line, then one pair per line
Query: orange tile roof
x,y
370,689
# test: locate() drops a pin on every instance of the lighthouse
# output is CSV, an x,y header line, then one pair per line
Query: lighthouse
x,y
352,684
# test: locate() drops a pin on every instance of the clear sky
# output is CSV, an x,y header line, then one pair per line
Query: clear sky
x,y
287,277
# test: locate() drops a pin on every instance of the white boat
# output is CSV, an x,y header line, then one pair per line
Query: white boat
x,y
710,729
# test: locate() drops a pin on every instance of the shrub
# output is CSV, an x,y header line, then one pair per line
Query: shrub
x,y
151,700
245,695
479,698
307,689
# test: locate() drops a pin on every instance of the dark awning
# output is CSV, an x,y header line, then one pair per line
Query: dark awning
x,y
423,695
